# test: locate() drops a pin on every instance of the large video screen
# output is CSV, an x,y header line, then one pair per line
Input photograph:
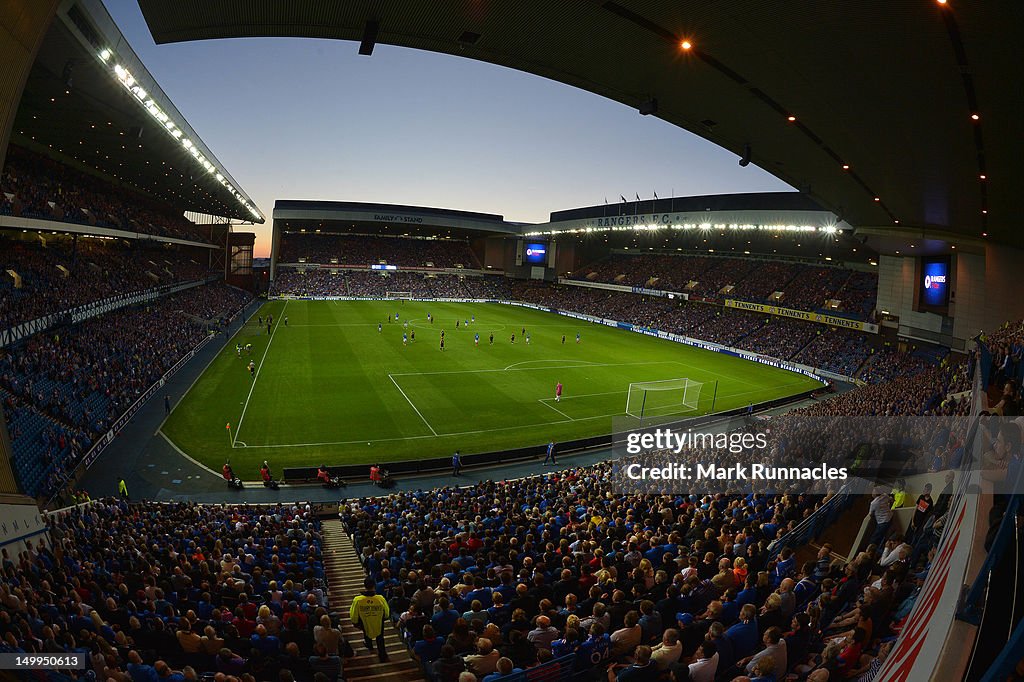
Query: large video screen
x,y
934,282
535,253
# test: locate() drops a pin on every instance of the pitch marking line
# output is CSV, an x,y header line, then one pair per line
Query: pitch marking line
x,y
412,405
256,378
479,431
443,435
541,401
581,363
589,395
186,455
533,369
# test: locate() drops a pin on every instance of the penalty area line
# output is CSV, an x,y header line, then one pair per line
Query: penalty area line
x,y
412,405
545,404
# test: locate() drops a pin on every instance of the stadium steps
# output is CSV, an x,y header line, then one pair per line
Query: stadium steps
x,y
345,577
842,534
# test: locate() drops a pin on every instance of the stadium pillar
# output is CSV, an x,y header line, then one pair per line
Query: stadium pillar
x,y
22,28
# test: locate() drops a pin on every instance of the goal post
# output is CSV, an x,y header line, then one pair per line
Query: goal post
x,y
665,398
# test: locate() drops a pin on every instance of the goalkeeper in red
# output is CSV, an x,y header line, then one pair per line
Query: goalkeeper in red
x,y
558,392
368,612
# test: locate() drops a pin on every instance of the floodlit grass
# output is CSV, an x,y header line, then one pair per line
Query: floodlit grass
x,y
332,389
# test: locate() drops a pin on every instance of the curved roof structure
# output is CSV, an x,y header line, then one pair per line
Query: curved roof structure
x,y
89,97
866,107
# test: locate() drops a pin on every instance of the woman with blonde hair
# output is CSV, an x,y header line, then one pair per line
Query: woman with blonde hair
x,y
739,569
266,618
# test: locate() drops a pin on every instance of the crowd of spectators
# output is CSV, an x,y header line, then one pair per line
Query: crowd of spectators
x,y
839,350
64,388
175,592
804,286
771,276
40,187
928,392
60,273
780,337
506,576
353,249
883,367
1006,348
813,286
365,283
859,293
669,273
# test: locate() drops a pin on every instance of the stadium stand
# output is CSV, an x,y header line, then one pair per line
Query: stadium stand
x,y
60,273
804,286
149,590
348,249
35,186
564,565
377,285
840,351
779,337
63,388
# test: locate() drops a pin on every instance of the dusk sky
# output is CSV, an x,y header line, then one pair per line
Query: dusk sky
x,y
311,119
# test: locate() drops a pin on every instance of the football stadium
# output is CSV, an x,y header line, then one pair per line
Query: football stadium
x,y
320,408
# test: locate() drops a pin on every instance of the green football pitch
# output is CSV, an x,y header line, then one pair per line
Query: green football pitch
x,y
331,388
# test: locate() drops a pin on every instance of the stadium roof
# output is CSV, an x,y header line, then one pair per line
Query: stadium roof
x,y
865,107
751,201
89,97
297,215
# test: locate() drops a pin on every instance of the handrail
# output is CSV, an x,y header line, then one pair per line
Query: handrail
x,y
813,524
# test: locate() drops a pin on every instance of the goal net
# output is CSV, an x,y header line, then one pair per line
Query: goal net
x,y
663,398
398,294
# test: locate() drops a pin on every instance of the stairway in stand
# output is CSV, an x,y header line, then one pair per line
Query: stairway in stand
x,y
345,577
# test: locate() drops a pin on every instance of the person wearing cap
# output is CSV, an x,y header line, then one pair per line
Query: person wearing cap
x,y
690,634
368,612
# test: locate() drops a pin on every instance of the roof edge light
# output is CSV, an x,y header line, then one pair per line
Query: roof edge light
x,y
174,129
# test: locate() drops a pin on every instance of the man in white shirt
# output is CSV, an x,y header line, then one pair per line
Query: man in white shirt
x,y
881,509
486,661
774,646
668,652
706,665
